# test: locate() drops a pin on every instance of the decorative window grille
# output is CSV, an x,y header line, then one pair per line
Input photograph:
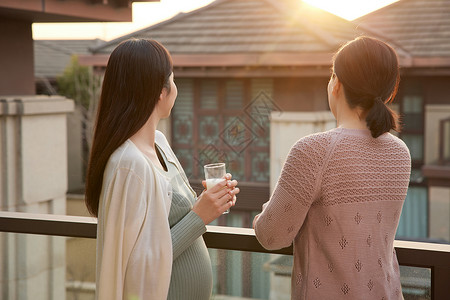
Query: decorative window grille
x,y
224,120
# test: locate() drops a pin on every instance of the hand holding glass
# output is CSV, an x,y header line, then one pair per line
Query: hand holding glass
x,y
214,173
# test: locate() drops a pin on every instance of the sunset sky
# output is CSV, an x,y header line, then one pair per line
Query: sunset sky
x,y
147,14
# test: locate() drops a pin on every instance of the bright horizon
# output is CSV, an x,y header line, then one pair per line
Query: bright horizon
x,y
147,14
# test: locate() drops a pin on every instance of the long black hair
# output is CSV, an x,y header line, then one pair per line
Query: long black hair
x,y
136,73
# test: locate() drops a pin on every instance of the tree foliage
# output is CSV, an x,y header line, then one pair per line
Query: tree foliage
x,y
79,83
82,85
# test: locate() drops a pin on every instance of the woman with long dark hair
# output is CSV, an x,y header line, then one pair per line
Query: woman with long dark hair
x,y
341,192
150,221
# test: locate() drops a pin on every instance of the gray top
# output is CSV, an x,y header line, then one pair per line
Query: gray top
x,y
191,271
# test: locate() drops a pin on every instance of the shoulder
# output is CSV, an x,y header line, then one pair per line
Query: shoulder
x,y
163,143
397,144
312,150
396,140
161,139
128,157
316,142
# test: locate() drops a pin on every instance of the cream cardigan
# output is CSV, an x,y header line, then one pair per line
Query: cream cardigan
x,y
134,246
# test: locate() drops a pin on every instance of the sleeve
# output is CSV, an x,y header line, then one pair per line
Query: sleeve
x,y
121,221
283,215
185,232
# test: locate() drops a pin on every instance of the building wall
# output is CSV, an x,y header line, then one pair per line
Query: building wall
x,y
16,58
439,213
80,256
437,89
301,94
439,196
76,161
33,160
434,113
287,128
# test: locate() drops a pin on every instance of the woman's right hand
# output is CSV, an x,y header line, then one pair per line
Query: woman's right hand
x,y
214,201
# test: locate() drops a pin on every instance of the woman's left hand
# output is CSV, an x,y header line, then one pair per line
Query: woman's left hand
x,y
231,184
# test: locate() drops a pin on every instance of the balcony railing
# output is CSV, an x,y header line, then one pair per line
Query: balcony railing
x,y
416,254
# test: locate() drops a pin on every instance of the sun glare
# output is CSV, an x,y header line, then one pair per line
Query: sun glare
x,y
146,14
349,9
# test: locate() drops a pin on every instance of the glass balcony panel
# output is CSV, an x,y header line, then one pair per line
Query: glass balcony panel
x,y
42,267
239,275
247,275
53,267
80,268
416,283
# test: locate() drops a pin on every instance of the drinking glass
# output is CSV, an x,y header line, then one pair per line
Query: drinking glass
x,y
214,173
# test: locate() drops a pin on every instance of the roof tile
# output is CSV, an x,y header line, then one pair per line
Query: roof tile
x,y
422,27
248,26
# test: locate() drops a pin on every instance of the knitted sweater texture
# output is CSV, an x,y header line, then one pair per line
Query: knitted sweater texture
x,y
338,200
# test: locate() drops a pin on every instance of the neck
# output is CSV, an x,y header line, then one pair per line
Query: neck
x,y
352,125
145,137
347,117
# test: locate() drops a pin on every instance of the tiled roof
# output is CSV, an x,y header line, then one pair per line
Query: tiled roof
x,y
51,57
248,26
421,27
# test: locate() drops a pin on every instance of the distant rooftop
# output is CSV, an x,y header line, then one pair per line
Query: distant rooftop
x,y
51,57
248,26
422,27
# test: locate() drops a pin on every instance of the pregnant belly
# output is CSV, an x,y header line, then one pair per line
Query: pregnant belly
x,y
192,274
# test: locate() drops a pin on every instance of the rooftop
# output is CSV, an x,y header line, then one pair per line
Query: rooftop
x,y
250,26
422,27
51,57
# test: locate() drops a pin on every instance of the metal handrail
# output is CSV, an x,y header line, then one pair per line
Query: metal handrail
x,y
416,254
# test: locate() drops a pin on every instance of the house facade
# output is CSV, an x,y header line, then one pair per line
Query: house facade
x,y
236,63
252,79
245,69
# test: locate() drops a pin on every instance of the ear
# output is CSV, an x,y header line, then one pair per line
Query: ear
x,y
163,94
337,87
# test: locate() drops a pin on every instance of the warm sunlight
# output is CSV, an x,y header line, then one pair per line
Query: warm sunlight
x,y
144,14
349,9
147,14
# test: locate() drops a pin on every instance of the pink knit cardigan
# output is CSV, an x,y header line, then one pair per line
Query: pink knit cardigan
x,y
339,199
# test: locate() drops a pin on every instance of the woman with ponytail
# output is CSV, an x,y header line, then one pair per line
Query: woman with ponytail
x,y
340,194
150,221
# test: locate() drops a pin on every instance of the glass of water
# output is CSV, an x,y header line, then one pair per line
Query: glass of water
x,y
214,173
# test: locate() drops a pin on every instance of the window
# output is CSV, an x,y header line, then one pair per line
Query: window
x,y
412,133
413,222
414,219
224,120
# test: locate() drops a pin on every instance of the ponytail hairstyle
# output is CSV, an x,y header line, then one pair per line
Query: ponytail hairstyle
x,y
369,71
136,73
